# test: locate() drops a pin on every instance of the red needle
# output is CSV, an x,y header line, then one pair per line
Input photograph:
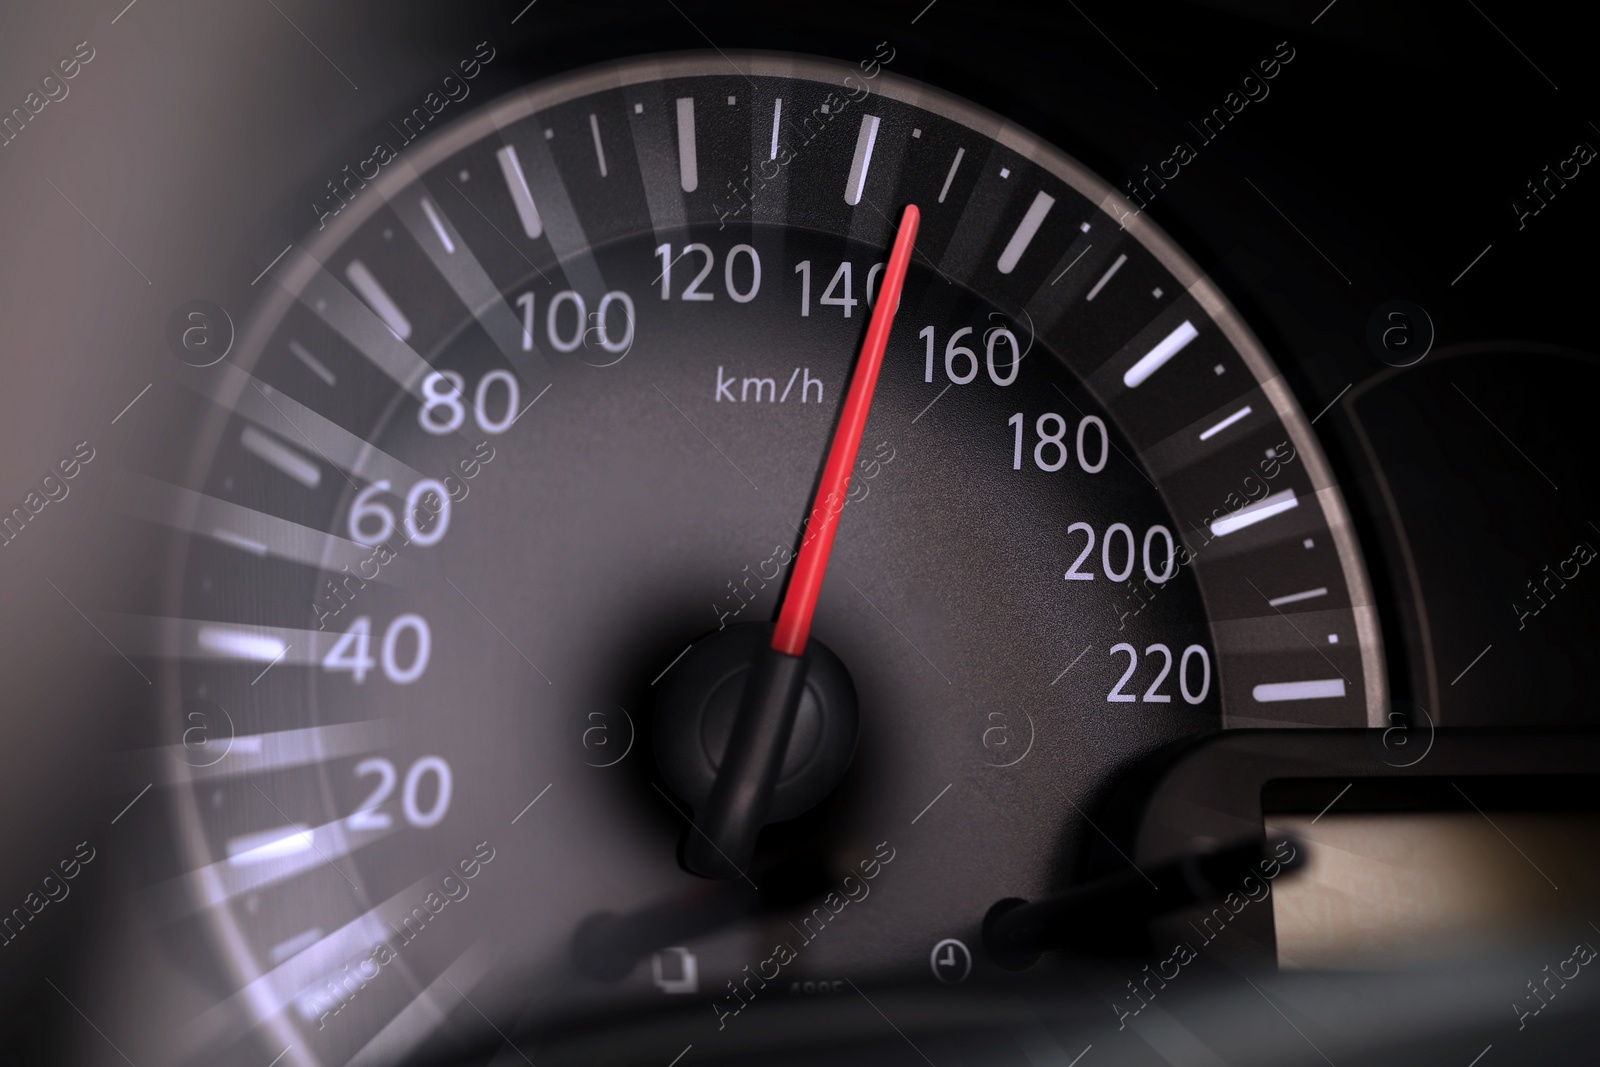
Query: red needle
x,y
800,603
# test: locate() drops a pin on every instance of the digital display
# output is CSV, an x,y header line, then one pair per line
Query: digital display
x,y
1385,890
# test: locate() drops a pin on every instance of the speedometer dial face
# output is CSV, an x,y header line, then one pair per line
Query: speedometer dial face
x,y
543,403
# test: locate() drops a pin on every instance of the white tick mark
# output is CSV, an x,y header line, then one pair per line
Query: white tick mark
x,y
599,149
521,196
438,226
948,178
865,139
1207,435
1107,276
1260,511
378,299
688,164
1318,689
1025,230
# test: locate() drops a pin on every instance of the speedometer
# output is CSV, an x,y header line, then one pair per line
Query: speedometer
x,y
531,425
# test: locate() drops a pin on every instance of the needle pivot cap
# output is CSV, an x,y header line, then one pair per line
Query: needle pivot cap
x,y
698,713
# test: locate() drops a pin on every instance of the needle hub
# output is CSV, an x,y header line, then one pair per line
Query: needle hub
x,y
698,717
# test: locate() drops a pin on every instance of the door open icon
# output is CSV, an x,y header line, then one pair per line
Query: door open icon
x,y
676,971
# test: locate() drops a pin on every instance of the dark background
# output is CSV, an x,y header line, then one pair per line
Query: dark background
x,y
1383,162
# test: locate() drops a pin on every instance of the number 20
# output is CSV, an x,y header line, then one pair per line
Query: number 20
x,y
367,817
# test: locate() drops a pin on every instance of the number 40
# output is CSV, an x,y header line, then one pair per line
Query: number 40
x,y
352,651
